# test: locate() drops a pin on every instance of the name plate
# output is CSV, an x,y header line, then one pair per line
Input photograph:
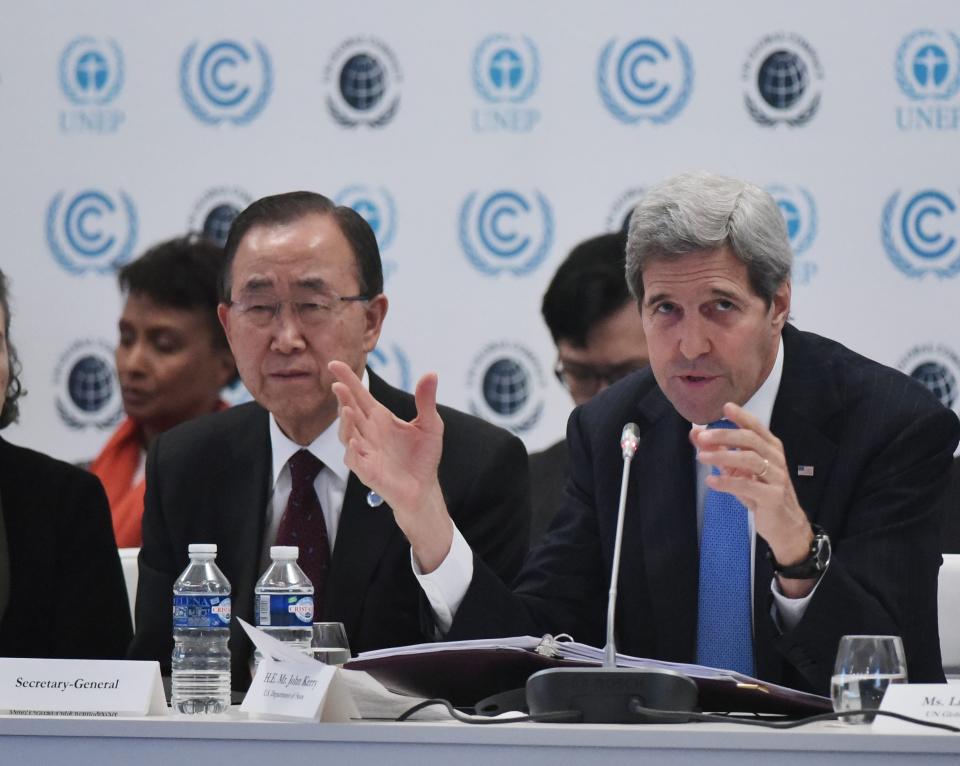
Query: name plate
x,y
288,684
80,688
937,703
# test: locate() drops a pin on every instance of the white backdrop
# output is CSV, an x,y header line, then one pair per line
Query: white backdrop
x,y
483,141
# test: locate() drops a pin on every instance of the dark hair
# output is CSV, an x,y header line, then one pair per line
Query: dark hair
x,y
292,206
10,411
181,273
589,286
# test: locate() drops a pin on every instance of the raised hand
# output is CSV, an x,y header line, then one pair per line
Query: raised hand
x,y
398,460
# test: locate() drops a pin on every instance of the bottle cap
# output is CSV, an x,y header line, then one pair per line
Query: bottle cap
x,y
202,548
284,552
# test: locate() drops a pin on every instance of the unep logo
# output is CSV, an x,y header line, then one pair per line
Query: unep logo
x,y
928,65
377,207
506,69
91,230
363,83
799,213
507,385
920,233
91,71
226,81
87,392
506,231
391,363
645,79
782,80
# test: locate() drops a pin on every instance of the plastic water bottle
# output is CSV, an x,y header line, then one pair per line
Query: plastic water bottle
x,y
201,630
284,600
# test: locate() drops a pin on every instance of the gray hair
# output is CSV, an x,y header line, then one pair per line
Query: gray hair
x,y
701,211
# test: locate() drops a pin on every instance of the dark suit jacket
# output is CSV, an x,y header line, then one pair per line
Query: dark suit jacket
x,y
209,481
880,446
548,476
950,508
67,597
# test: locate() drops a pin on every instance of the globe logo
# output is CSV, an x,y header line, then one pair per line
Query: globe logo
x,y
216,226
226,81
88,394
363,78
91,71
938,380
506,230
91,230
928,64
505,386
918,234
782,80
376,205
90,383
362,82
645,79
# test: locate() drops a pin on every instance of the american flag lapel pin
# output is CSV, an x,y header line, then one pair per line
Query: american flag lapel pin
x,y
804,470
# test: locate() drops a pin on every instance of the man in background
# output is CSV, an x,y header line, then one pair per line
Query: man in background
x,y
599,338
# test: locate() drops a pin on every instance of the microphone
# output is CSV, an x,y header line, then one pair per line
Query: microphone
x,y
609,694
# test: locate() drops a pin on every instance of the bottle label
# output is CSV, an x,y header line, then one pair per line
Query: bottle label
x,y
279,610
201,611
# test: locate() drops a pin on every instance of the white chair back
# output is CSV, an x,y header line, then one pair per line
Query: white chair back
x,y
128,560
948,606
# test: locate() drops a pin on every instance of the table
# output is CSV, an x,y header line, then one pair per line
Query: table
x,y
237,741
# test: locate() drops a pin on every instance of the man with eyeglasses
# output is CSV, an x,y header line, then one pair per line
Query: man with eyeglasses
x,y
302,286
599,337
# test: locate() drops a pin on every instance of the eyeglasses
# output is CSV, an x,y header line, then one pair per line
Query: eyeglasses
x,y
584,380
311,310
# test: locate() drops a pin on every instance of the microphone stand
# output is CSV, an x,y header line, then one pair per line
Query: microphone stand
x,y
609,694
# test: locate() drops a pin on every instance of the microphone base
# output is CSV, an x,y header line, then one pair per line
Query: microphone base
x,y
611,695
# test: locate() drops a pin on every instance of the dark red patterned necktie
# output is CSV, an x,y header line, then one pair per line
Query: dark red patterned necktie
x,y
302,524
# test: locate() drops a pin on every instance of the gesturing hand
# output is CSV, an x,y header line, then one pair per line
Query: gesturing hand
x,y
398,460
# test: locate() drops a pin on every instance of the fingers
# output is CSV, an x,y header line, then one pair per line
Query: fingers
x,y
426,399
361,398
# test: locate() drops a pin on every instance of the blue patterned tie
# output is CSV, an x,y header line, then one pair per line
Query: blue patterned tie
x,y
724,631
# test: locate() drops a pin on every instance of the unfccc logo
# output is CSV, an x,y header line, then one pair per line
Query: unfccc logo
x,y
377,207
92,230
506,231
920,233
226,81
645,79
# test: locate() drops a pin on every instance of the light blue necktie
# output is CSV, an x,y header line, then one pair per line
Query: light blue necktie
x,y
724,632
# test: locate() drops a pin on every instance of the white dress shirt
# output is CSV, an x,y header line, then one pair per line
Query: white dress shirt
x,y
330,484
446,586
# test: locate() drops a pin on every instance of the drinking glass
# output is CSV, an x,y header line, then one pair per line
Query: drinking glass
x,y
329,643
865,667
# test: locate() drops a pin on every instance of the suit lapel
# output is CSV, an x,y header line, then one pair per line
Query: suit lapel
x,y
806,401
664,520
363,535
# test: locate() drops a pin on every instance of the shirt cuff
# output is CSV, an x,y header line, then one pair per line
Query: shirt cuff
x,y
790,610
446,585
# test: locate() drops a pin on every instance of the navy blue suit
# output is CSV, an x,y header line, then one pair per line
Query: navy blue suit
x,y
880,446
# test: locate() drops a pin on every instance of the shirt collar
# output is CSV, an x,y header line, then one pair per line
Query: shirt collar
x,y
326,447
760,405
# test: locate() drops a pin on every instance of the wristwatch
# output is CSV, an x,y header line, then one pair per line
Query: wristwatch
x,y
813,565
